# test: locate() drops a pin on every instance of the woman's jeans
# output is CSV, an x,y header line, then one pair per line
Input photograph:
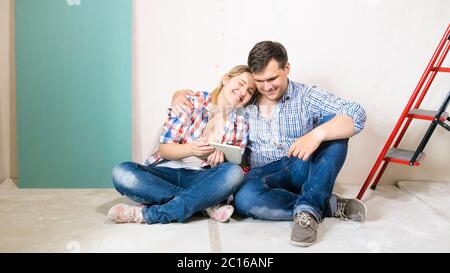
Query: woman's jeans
x,y
175,194
278,190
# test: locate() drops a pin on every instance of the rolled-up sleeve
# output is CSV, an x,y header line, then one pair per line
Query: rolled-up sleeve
x,y
323,103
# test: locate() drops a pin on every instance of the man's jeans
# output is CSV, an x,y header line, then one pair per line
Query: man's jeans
x,y
175,194
278,190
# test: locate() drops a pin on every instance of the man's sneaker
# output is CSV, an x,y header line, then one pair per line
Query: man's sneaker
x,y
350,209
122,213
304,232
220,213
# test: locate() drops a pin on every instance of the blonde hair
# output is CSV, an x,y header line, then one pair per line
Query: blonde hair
x,y
235,71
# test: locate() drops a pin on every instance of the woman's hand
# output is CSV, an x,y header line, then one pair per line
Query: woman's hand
x,y
180,103
215,158
201,149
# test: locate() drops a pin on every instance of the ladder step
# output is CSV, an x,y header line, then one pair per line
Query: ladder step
x,y
402,156
425,114
441,69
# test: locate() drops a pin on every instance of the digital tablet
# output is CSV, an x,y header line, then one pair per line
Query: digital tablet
x,y
231,153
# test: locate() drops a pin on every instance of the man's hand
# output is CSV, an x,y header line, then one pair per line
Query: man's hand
x,y
201,149
180,102
215,158
305,146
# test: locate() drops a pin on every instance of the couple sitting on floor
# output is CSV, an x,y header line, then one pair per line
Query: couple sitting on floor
x,y
294,141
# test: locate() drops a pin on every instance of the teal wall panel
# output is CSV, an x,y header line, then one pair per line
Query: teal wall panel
x,y
73,69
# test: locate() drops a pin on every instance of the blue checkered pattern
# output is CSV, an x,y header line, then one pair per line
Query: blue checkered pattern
x,y
297,113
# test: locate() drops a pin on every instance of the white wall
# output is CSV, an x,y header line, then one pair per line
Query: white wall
x,y
4,89
8,141
371,51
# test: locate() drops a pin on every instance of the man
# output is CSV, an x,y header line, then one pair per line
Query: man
x,y
298,138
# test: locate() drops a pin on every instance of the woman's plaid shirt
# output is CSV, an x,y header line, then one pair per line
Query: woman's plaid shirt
x,y
188,125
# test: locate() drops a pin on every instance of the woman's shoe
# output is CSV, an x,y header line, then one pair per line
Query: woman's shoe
x,y
122,213
220,213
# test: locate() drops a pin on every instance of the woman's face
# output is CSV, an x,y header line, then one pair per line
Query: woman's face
x,y
238,90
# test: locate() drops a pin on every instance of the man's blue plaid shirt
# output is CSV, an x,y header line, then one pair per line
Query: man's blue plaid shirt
x,y
296,114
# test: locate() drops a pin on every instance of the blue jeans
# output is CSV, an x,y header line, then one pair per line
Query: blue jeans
x,y
175,194
278,190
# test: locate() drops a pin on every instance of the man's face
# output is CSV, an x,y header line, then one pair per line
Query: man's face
x,y
272,81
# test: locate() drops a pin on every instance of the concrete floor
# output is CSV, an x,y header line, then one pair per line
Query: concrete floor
x,y
409,217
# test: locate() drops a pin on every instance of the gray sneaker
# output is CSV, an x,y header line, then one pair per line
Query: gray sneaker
x,y
350,209
304,232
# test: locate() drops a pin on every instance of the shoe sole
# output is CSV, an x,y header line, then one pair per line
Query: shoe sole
x,y
303,244
359,202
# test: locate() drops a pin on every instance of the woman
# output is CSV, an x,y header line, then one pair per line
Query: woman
x,y
187,175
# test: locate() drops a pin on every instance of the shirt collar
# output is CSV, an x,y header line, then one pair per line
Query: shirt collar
x,y
232,117
206,103
289,92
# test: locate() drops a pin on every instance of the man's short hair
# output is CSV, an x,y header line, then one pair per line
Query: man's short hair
x,y
263,52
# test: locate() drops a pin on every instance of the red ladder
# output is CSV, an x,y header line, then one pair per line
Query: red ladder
x,y
413,158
